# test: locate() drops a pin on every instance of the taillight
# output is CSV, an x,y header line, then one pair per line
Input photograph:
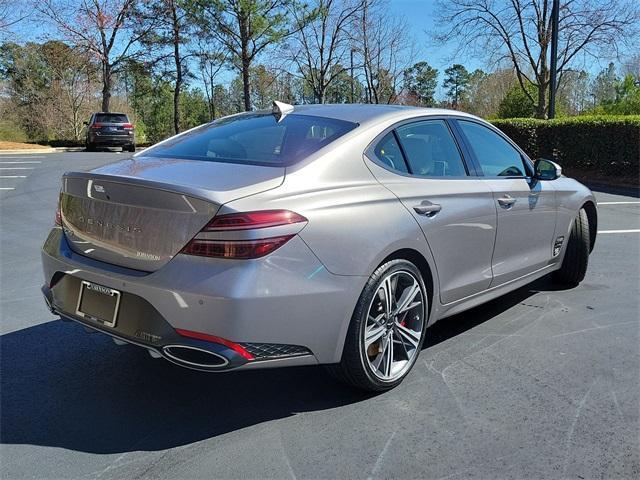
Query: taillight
x,y
251,220
128,126
58,218
95,126
243,248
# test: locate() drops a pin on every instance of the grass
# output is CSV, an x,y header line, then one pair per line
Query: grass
x,y
20,146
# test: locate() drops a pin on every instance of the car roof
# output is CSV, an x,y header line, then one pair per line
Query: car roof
x,y
369,114
109,113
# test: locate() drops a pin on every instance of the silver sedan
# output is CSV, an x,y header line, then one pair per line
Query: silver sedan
x,y
326,234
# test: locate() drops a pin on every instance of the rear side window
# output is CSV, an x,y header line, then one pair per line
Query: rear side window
x,y
431,150
497,157
111,118
255,139
388,152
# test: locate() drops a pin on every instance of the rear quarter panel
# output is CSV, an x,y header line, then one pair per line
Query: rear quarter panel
x,y
354,221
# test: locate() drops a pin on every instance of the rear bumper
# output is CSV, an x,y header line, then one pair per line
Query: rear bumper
x,y
111,140
285,304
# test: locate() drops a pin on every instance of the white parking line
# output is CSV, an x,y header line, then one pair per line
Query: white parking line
x,y
619,231
7,188
16,168
21,156
618,203
28,161
13,176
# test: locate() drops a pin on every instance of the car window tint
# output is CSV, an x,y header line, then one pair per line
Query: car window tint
x,y
255,139
497,157
388,152
111,118
430,149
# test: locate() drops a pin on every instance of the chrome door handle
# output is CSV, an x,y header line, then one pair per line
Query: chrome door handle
x,y
506,201
427,209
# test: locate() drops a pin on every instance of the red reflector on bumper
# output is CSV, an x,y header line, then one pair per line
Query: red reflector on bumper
x,y
213,339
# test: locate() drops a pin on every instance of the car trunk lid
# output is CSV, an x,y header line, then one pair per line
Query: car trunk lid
x,y
139,213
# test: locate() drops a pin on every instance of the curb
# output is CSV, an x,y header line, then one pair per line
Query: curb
x,y
49,150
28,150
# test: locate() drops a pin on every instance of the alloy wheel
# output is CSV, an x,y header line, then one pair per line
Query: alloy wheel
x,y
394,325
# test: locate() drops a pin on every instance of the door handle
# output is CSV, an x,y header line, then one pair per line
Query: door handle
x,y
427,209
507,201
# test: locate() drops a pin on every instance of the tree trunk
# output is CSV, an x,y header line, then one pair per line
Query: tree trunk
x,y
176,58
542,100
106,87
246,85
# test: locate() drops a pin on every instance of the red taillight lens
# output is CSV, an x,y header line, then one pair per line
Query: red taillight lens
x,y
58,218
128,126
241,249
212,338
96,125
251,220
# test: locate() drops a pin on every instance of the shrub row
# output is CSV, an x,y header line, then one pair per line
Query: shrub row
x,y
585,147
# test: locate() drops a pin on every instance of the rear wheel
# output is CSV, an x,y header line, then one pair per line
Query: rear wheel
x,y
90,147
387,329
130,148
576,257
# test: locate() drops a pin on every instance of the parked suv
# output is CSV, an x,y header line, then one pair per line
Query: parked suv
x,y
110,130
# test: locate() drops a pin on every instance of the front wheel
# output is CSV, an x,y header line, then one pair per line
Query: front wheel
x,y
576,257
387,329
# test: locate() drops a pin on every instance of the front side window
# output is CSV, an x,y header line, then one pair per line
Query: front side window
x,y
430,149
255,139
497,157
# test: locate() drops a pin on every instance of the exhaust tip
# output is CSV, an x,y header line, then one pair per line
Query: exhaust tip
x,y
194,356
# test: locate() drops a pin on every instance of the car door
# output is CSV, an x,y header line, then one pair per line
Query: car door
x,y
526,208
421,163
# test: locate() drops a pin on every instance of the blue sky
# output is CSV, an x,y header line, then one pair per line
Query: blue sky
x,y
420,18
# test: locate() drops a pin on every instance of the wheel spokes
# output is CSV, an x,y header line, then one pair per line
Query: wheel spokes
x,y
406,302
373,334
392,324
406,334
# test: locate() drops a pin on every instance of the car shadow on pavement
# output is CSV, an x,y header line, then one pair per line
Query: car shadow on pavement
x,y
62,387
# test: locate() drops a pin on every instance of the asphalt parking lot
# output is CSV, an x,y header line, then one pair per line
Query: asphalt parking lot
x,y
542,383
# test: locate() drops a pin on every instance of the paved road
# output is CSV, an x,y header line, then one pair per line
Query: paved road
x,y
543,383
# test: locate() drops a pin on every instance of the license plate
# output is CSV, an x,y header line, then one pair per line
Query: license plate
x,y
98,303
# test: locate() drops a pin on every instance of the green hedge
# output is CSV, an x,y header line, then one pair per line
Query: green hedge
x,y
587,147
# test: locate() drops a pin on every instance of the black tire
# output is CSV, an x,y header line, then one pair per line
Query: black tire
x,y
576,257
354,369
130,148
90,147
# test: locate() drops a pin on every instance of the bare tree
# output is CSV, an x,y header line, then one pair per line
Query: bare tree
x,y
520,31
11,13
211,61
384,50
73,84
105,28
323,44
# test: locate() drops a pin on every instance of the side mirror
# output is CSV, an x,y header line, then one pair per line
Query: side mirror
x,y
546,169
85,123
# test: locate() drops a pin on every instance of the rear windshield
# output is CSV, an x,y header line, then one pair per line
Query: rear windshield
x,y
111,118
255,139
